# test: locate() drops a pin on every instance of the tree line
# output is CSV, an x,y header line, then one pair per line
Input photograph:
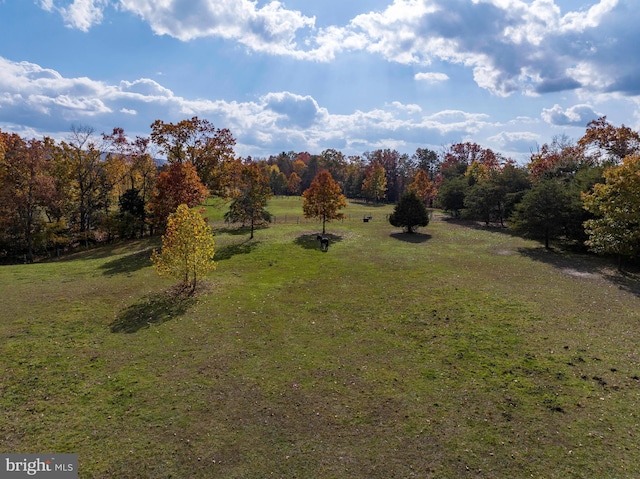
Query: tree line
x,y
94,188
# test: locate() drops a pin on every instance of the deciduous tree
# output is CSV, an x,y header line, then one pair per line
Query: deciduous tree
x,y
178,184
374,185
293,184
196,141
608,143
616,206
323,199
428,161
87,182
423,187
26,186
188,248
249,204
544,211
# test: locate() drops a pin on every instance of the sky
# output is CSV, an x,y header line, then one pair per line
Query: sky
x,y
301,75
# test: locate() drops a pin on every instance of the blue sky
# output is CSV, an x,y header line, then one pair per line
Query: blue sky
x,y
355,75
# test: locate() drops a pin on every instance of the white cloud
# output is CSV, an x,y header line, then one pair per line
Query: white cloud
x,y
431,77
577,115
44,100
79,14
580,21
271,29
516,141
511,46
302,111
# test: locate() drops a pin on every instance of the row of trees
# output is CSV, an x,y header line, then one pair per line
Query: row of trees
x,y
94,188
379,176
585,192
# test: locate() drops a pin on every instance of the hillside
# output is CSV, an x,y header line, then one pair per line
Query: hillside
x,y
460,351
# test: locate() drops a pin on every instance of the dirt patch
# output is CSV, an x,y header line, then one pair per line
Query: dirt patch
x,y
580,274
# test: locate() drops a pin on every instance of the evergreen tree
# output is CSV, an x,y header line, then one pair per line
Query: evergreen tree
x,y
409,213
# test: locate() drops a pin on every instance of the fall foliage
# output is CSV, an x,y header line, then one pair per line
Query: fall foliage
x,y
197,141
616,206
423,187
323,199
88,189
178,184
188,248
374,185
251,198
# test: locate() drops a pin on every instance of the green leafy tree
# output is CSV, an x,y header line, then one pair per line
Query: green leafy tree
x,y
409,213
323,199
131,214
483,201
615,229
251,200
187,248
544,211
495,192
451,194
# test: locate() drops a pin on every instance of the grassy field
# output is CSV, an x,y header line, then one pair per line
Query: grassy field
x,y
457,352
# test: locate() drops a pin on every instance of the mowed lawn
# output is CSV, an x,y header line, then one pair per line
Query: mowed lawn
x,y
461,351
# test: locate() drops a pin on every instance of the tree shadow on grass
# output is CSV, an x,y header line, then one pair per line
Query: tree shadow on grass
x,y
367,203
493,227
155,308
625,280
415,238
310,241
230,250
128,264
565,261
588,267
240,230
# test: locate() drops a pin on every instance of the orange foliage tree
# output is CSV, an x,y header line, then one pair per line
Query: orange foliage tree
x,y
323,199
178,184
423,187
196,141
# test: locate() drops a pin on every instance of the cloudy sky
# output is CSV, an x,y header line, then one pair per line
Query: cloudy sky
x,y
354,75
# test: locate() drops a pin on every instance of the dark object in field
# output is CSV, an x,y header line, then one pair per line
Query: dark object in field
x,y
324,242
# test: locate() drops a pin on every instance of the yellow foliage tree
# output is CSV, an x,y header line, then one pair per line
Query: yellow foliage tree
x,y
187,248
616,206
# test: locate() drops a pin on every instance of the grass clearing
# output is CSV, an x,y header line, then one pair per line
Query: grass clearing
x,y
456,352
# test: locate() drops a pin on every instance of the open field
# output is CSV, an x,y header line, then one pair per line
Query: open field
x,y
456,352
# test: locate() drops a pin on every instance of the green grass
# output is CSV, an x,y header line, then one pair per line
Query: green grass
x,y
456,352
